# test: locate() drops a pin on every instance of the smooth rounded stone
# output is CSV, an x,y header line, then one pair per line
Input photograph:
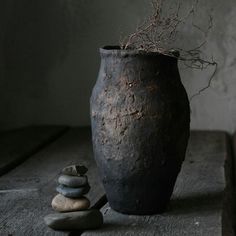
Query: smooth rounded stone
x,y
73,192
73,181
74,170
79,220
64,204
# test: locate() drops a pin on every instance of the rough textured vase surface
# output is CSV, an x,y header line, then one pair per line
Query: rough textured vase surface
x,y
140,126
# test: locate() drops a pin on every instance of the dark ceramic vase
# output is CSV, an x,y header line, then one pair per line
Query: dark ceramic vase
x,y
140,126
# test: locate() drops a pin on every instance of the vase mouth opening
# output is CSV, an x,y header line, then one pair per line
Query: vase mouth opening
x,y
117,50
111,47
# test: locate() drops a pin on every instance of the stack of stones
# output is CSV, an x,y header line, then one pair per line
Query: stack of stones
x,y
71,203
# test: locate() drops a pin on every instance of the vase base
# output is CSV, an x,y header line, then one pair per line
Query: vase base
x,y
140,211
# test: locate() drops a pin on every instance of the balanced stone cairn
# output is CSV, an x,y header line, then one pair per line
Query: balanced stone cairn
x,y
71,203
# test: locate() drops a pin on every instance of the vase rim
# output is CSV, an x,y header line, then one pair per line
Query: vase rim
x,y
116,50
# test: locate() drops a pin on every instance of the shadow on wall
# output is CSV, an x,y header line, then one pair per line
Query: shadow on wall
x,y
49,59
34,40
48,70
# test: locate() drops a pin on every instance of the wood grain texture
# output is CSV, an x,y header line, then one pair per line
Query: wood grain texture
x,y
27,191
199,200
234,156
17,145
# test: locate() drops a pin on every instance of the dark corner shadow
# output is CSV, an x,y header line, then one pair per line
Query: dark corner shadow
x,y
195,203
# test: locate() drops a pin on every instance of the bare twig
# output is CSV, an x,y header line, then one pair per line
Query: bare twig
x,y
208,84
158,32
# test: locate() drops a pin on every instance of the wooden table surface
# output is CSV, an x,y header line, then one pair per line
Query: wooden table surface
x,y
30,163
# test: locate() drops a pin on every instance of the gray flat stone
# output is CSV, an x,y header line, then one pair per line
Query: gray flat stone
x,y
73,192
73,181
74,170
80,220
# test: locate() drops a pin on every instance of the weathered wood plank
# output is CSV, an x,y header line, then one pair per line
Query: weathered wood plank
x,y
234,156
199,200
27,191
18,145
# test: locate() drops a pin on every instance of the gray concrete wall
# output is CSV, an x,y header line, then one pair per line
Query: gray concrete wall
x,y
49,59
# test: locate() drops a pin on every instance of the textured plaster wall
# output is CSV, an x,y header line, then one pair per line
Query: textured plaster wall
x,y
49,59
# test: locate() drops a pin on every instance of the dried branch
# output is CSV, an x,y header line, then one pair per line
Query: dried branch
x,y
208,84
158,32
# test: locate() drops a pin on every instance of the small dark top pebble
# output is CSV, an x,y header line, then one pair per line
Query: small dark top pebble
x,y
74,170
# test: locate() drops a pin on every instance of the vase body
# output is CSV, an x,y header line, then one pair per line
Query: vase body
x,y
140,128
